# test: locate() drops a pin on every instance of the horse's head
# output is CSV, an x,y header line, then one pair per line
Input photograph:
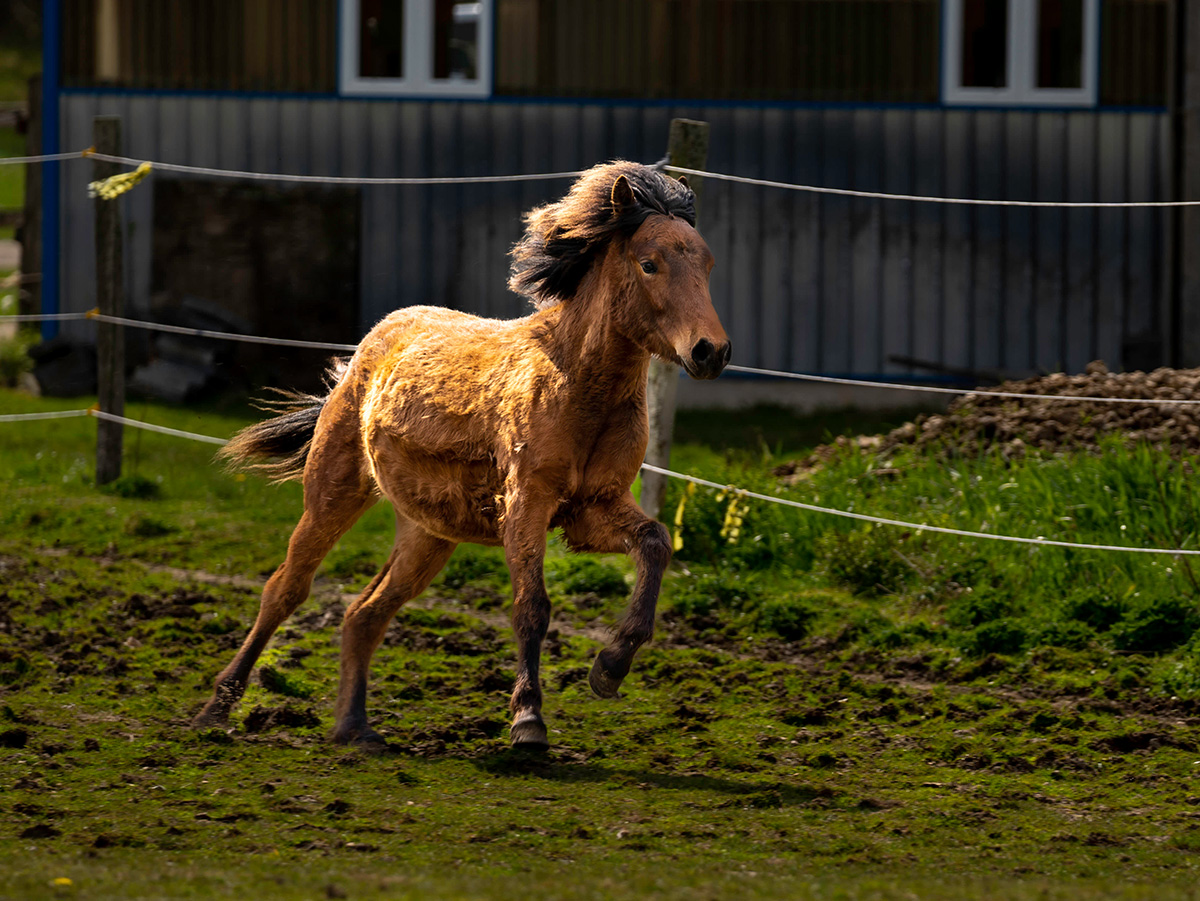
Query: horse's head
x,y
669,311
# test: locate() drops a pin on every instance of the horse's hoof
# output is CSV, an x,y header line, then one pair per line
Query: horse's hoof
x,y
372,744
529,732
602,682
210,719
364,739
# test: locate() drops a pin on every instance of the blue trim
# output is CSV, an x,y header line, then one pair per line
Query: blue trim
x,y
513,100
337,47
51,41
942,51
155,92
1095,109
495,45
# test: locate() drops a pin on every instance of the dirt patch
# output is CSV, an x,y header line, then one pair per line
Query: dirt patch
x,y
976,423
263,719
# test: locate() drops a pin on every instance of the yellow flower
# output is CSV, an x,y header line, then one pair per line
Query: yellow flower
x,y
116,185
734,517
677,541
63,882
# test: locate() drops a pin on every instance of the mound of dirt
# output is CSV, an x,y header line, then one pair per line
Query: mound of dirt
x,y
976,423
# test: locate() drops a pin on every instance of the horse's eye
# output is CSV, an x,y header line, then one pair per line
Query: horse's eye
x,y
649,268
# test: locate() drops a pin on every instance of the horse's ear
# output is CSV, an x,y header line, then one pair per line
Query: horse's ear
x,y
683,181
622,193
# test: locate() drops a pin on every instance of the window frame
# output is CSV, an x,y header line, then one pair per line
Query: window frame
x,y
418,80
1022,88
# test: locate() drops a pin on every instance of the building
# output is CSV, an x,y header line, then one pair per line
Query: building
x,y
1025,99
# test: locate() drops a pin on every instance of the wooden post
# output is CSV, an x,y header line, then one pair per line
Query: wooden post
x,y
1183,328
687,148
110,298
30,294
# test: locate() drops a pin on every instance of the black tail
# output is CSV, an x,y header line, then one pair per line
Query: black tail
x,y
279,446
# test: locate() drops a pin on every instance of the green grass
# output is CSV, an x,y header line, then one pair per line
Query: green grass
x,y
20,59
827,711
12,178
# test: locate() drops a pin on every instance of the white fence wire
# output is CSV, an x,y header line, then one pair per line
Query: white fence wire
x,y
220,336
926,198
543,176
750,370
876,195
974,392
696,480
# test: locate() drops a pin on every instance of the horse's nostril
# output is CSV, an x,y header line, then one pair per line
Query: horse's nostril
x,y
702,352
726,353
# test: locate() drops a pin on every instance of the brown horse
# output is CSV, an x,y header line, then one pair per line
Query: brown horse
x,y
495,432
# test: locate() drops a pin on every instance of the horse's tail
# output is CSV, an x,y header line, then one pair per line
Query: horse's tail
x,y
278,447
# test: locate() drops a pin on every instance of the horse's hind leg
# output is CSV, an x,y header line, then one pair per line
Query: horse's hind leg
x,y
416,558
335,496
622,527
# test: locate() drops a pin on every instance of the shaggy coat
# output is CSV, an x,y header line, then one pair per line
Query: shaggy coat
x,y
494,432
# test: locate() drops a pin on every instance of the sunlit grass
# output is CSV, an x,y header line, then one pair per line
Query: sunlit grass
x,y
828,711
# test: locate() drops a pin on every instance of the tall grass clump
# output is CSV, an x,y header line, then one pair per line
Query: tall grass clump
x,y
980,596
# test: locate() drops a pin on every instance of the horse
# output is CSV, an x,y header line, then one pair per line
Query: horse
x,y
496,432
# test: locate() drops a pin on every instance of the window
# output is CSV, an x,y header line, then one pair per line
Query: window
x,y
424,47
1020,52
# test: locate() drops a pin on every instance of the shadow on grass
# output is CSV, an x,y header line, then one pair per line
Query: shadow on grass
x,y
559,766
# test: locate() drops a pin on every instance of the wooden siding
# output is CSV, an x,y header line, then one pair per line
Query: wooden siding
x,y
843,51
232,45
803,282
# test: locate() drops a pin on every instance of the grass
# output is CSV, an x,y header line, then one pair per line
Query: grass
x,y
12,178
828,711
20,59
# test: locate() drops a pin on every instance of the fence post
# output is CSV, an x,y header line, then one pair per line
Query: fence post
x,y
110,298
1183,329
687,147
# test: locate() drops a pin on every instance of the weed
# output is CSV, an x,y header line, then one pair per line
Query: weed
x,y
347,564
1156,625
866,560
1067,634
471,564
790,618
135,487
999,636
972,609
14,357
1099,610
586,575
721,592
1179,676
143,525
278,679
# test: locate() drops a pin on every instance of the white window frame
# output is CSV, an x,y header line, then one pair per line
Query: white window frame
x,y
418,77
1022,88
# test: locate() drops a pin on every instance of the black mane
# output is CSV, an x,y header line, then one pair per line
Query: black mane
x,y
563,239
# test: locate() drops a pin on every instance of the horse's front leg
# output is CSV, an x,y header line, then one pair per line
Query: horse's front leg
x,y
526,521
620,526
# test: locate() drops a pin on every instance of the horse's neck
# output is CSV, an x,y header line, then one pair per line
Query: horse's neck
x,y
591,351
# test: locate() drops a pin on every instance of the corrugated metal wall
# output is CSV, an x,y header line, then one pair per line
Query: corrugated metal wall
x,y
802,282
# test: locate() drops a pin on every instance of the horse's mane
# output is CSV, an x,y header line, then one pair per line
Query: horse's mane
x,y
563,239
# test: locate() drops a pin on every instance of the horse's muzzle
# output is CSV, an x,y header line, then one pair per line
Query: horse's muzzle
x,y
707,359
